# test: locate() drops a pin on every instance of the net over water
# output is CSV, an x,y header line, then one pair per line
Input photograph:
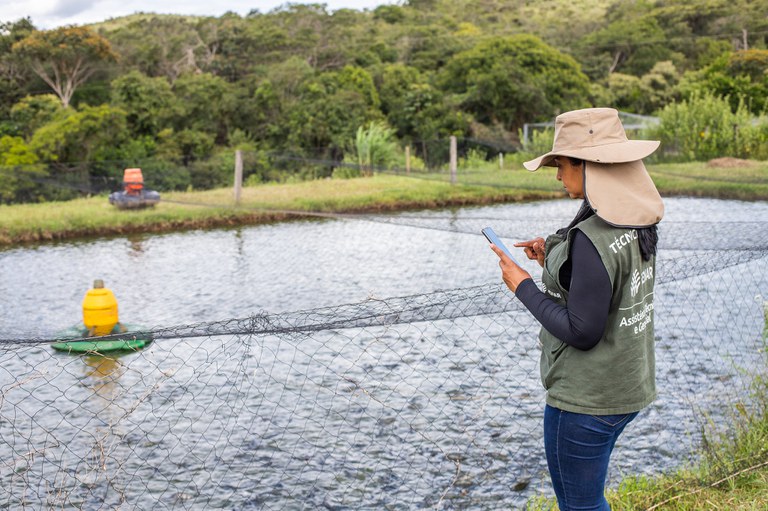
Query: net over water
x,y
424,399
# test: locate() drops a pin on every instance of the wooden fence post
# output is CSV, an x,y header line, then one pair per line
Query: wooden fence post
x,y
238,174
408,159
454,160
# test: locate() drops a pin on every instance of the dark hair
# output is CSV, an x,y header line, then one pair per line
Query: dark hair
x,y
648,237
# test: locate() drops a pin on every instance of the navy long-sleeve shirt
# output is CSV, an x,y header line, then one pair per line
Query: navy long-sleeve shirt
x,y
582,321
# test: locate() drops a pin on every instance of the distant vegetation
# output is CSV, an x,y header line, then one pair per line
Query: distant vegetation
x,y
302,89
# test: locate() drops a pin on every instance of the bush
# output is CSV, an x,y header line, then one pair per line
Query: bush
x,y
475,160
704,127
19,172
212,173
538,143
165,175
349,169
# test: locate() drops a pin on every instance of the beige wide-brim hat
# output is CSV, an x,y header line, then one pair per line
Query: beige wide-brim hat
x,y
616,182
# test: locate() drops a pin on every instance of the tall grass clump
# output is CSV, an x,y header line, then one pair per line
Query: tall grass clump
x,y
732,472
374,146
540,142
704,127
476,160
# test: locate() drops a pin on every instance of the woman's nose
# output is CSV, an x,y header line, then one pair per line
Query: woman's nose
x,y
559,175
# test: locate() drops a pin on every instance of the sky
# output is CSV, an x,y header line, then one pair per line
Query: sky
x,y
47,14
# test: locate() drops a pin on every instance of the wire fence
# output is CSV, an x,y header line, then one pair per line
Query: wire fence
x,y
68,180
426,401
480,162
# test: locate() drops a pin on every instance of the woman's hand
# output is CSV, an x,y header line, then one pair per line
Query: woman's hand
x,y
511,273
534,249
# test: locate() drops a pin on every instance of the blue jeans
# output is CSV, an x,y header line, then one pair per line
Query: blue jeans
x,y
578,448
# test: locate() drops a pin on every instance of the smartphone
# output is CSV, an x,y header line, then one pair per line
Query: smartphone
x,y
490,235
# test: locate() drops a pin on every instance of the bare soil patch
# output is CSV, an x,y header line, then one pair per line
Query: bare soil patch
x,y
730,163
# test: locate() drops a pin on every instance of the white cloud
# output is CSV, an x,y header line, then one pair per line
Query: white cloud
x,y
47,14
70,8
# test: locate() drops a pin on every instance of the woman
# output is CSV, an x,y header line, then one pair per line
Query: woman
x,y
596,301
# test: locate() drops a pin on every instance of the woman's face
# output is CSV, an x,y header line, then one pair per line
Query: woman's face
x,y
572,176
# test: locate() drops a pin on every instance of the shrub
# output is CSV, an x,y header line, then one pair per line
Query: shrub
x,y
475,160
539,142
214,172
704,127
348,170
374,146
163,175
19,170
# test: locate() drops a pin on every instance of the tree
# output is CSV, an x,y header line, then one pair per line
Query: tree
x,y
185,146
13,76
206,104
741,76
94,133
391,14
264,100
64,58
646,94
244,44
148,102
358,79
428,115
329,108
162,45
512,80
18,171
429,47
630,46
32,112
659,86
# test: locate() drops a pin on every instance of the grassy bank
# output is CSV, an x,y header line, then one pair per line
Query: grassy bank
x,y
274,202
732,474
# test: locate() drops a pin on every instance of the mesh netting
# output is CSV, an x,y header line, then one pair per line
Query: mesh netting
x,y
420,401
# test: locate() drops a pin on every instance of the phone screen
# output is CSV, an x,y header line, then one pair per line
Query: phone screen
x,y
493,238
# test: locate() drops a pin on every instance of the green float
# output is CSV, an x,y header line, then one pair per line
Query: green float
x,y
100,319
83,345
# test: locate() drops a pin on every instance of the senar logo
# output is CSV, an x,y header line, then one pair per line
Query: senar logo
x,y
639,278
634,284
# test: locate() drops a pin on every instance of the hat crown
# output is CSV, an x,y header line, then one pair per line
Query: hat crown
x,y
588,127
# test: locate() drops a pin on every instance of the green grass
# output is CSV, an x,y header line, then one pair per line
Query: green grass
x,y
698,179
732,474
383,192
259,204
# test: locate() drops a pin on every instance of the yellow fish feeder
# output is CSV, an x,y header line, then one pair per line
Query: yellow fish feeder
x,y
100,317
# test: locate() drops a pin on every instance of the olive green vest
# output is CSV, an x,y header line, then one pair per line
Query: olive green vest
x,y
618,375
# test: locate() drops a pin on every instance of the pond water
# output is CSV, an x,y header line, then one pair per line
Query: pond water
x,y
162,280
288,456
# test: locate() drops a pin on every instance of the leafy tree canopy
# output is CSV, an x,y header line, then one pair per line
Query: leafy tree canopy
x,y
148,102
92,133
64,57
206,103
510,80
31,112
18,173
741,76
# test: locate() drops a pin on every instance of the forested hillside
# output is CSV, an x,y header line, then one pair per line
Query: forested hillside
x,y
179,93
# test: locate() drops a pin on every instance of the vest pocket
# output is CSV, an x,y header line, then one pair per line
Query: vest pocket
x,y
559,349
553,350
